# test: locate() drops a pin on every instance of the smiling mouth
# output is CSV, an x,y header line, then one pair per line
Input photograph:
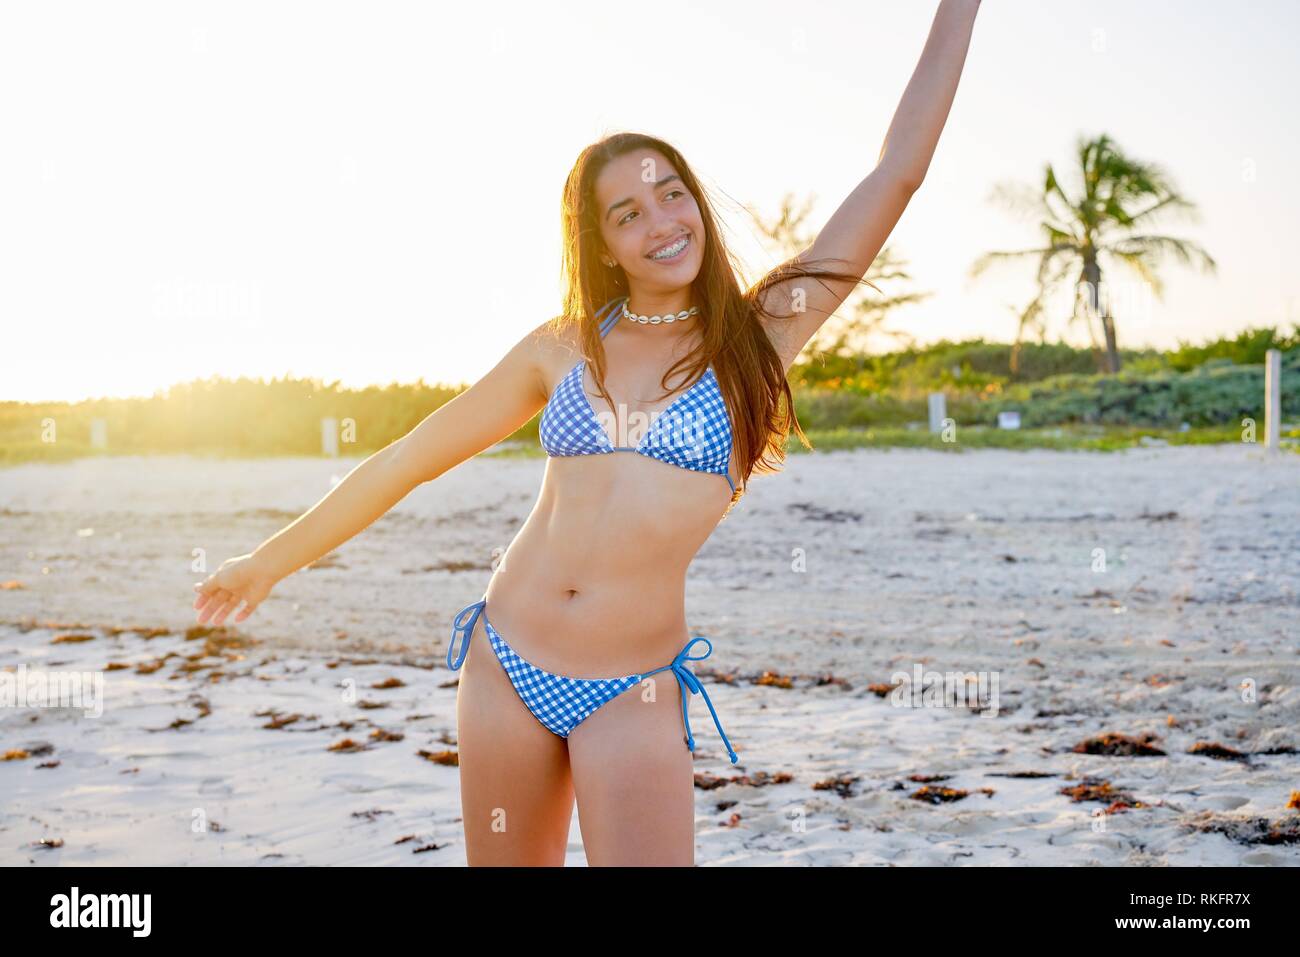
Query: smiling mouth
x,y
674,250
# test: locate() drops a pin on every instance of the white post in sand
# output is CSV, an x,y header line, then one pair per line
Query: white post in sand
x,y
938,411
1272,399
99,433
329,436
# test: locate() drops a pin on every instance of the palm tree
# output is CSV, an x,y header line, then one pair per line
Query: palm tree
x,y
860,316
1118,200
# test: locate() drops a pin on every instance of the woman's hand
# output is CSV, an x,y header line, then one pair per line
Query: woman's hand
x,y
242,578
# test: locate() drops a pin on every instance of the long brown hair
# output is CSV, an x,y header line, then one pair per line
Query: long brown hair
x,y
749,370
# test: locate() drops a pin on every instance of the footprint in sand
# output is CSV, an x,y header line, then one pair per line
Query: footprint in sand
x,y
1223,802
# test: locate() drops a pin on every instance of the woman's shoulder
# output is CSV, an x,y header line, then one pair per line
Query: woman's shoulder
x,y
556,348
559,335
558,341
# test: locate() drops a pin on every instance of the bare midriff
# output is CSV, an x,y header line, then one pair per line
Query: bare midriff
x,y
593,584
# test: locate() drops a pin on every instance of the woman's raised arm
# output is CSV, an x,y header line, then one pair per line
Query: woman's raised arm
x,y
494,407
856,232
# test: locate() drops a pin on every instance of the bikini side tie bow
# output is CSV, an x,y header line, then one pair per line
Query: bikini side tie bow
x,y
686,679
465,630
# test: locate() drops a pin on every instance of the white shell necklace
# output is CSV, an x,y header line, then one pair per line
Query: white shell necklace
x,y
656,320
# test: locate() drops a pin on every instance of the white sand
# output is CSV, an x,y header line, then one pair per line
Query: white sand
x,y
905,564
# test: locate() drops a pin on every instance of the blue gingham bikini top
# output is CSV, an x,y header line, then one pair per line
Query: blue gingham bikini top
x,y
692,432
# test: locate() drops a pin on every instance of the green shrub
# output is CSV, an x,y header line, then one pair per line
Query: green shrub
x,y
1217,392
1246,348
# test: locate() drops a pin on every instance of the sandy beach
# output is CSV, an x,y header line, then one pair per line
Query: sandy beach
x,y
1152,594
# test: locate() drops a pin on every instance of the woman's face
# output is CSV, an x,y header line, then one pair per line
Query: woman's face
x,y
644,207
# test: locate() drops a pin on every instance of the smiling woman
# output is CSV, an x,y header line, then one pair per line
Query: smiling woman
x,y
638,227
588,602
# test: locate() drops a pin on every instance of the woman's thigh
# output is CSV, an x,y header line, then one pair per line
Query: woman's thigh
x,y
515,785
634,779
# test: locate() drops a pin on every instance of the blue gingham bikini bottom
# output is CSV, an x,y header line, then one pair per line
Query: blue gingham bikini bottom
x,y
561,702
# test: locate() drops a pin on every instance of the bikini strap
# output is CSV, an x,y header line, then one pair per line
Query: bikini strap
x,y
615,313
687,681
465,629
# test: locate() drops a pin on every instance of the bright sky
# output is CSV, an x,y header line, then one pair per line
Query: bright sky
x,y
370,192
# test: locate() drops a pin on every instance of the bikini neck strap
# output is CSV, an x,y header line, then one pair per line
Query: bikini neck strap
x,y
612,318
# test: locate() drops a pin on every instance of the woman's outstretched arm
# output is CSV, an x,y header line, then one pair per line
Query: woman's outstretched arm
x,y
494,407
857,231
913,135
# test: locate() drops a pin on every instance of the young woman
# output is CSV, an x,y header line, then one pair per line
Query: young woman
x,y
560,694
